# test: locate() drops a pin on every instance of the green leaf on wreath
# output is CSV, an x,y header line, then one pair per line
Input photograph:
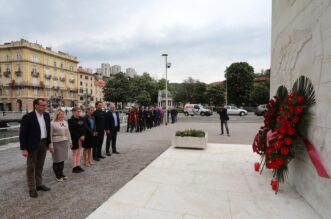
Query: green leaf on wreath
x,y
282,92
304,87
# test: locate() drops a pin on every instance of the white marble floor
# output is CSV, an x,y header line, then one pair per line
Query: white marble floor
x,y
215,183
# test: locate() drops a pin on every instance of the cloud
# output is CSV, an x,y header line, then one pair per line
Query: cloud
x,y
201,37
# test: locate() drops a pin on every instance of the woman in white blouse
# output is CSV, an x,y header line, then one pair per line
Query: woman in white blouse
x,y
61,139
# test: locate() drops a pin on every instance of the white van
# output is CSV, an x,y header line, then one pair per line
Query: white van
x,y
196,109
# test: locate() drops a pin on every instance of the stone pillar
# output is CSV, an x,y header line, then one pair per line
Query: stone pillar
x,y
301,45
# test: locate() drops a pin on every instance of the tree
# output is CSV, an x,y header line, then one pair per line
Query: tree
x,y
260,94
199,92
116,89
215,94
240,78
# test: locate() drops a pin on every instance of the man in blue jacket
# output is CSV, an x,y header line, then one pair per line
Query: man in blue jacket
x,y
34,142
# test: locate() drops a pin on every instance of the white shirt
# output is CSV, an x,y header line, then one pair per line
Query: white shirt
x,y
42,124
115,119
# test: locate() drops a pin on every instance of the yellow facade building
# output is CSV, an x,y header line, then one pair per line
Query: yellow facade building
x,y
28,71
90,87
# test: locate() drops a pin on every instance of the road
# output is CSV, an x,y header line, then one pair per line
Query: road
x,y
83,193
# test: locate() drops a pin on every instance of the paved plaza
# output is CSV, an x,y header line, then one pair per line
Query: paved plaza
x,y
218,182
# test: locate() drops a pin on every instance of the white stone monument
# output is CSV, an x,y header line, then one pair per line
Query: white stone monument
x,y
301,45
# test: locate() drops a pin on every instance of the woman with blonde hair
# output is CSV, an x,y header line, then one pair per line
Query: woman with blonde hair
x,y
90,137
77,130
60,140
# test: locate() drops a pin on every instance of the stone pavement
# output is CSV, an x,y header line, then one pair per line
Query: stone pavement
x,y
218,182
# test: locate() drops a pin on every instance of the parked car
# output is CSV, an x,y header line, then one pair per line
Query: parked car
x,y
233,110
260,109
196,109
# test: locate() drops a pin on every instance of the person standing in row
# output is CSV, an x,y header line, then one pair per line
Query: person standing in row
x,y
224,119
112,127
77,131
34,141
99,116
61,139
91,136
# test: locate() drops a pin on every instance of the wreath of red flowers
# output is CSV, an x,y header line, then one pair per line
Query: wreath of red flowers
x,y
280,136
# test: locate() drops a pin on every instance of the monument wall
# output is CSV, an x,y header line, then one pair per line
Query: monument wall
x,y
301,45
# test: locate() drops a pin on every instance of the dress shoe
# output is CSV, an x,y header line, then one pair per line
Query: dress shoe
x,y
108,154
221,133
102,157
43,188
75,170
116,152
96,159
80,169
33,193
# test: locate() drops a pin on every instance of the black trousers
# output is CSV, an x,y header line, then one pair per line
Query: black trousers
x,y
58,169
98,146
111,138
225,123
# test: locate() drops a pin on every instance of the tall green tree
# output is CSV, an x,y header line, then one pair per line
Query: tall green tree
x,y
199,92
215,94
240,77
116,89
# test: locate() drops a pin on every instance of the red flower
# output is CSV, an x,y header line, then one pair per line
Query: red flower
x,y
269,151
277,145
290,131
272,102
268,165
293,94
284,151
282,130
279,161
300,99
295,119
281,108
298,109
288,141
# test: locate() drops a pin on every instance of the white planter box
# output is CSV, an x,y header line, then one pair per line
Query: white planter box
x,y
190,142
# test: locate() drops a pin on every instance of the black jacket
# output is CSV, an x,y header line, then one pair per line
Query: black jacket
x,y
100,117
223,114
110,122
30,131
77,128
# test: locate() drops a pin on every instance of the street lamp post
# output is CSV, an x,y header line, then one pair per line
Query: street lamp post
x,y
166,87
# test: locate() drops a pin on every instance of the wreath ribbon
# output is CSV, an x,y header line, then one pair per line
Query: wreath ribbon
x,y
312,152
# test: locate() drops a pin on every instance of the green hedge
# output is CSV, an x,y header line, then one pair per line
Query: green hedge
x,y
191,133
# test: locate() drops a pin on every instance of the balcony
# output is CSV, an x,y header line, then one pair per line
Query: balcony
x,y
48,76
72,80
42,85
62,78
55,78
7,73
35,74
55,87
18,73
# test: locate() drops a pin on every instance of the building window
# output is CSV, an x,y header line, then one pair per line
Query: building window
x,y
81,98
47,82
86,77
7,58
81,83
48,93
7,90
55,64
81,76
18,92
35,91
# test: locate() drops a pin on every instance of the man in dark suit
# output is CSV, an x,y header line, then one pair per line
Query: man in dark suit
x,y
112,127
224,119
99,116
34,142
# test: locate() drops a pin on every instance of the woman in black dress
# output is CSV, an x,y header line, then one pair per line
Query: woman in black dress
x,y
90,137
77,130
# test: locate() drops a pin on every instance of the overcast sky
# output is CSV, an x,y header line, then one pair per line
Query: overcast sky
x,y
202,37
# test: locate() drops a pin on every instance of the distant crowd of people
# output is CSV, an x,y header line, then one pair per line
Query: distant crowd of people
x,y
141,118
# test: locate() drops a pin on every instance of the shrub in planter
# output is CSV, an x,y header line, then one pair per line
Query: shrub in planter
x,y
191,133
190,138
